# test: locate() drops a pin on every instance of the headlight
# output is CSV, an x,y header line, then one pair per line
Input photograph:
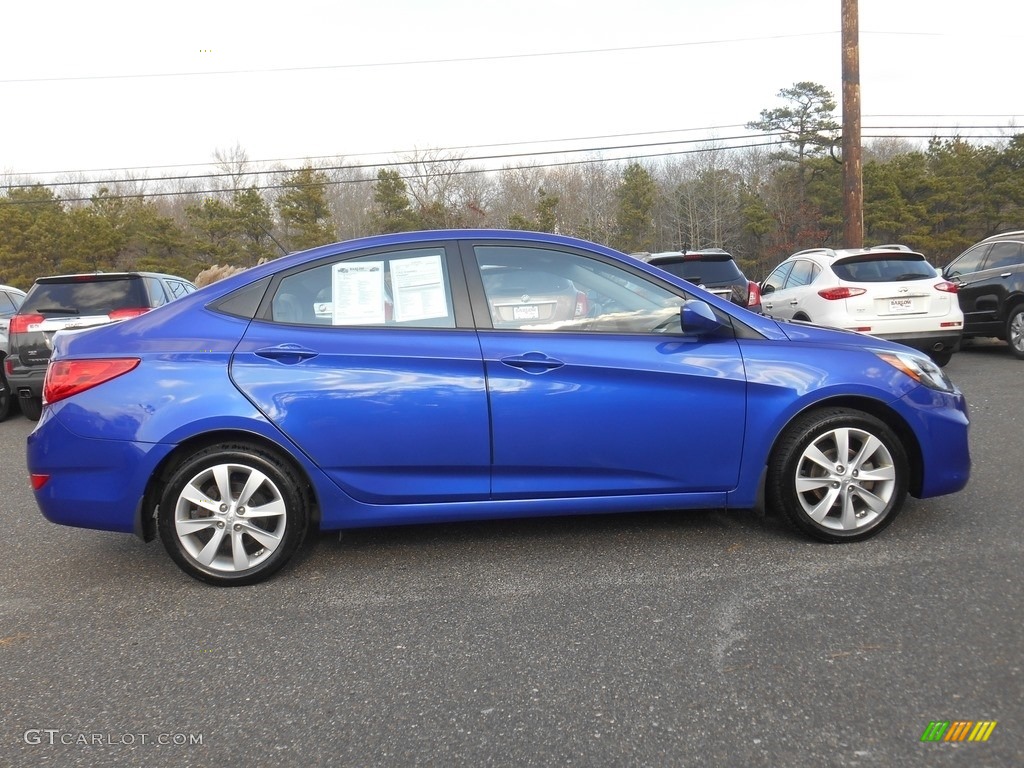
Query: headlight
x,y
920,368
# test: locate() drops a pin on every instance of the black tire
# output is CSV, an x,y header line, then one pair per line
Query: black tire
x,y
829,498
247,549
1015,331
32,407
5,396
942,358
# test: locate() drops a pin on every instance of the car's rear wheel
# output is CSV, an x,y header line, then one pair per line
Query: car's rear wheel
x,y
232,514
32,407
839,475
1015,331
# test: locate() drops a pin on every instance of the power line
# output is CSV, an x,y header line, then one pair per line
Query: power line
x,y
426,174
421,62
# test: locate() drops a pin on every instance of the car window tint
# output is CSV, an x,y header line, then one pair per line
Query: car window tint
x,y
1003,255
803,273
968,262
7,306
408,288
890,269
702,271
537,289
157,293
99,296
777,279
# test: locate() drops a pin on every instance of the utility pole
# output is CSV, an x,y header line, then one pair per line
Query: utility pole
x,y
853,177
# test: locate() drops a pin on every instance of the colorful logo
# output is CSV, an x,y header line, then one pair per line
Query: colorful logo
x,y
958,730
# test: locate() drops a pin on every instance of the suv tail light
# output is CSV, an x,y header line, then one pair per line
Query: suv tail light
x,y
842,292
582,305
20,323
124,314
65,378
947,287
753,294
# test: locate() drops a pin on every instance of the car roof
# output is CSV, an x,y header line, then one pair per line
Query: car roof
x,y
705,254
836,254
82,276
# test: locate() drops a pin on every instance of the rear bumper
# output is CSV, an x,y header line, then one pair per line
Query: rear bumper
x,y
27,382
939,341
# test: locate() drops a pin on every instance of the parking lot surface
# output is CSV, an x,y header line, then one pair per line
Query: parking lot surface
x,y
707,638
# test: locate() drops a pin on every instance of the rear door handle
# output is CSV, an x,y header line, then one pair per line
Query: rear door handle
x,y
533,362
289,354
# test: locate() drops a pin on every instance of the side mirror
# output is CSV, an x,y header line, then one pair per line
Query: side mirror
x,y
698,319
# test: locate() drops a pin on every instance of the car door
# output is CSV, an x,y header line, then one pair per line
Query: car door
x,y
593,389
361,362
984,281
774,301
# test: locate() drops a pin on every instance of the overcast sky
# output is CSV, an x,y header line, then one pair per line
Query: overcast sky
x,y
109,84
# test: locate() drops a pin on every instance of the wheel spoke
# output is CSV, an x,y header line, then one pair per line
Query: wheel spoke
x,y
223,480
191,525
195,496
266,538
867,450
813,453
275,508
848,521
877,474
239,558
842,438
820,510
876,503
209,552
252,484
806,484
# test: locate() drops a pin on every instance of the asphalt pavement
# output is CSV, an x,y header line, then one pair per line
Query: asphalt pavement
x,y
678,639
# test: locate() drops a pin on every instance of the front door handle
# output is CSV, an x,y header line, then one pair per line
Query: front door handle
x,y
533,362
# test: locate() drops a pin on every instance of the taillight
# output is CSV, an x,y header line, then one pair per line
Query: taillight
x,y
65,378
754,294
582,305
842,292
20,323
946,287
124,314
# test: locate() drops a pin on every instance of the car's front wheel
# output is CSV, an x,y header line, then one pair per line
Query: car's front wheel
x,y
838,474
1015,331
232,514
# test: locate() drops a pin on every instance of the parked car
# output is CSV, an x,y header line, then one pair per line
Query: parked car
x,y
887,291
713,269
990,280
64,302
10,300
233,431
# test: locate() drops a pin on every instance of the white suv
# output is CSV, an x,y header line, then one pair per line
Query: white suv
x,y
888,291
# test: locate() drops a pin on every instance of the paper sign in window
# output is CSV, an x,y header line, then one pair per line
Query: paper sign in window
x,y
418,284
359,293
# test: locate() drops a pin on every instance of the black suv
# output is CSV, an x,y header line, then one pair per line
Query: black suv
x,y
990,280
712,269
75,301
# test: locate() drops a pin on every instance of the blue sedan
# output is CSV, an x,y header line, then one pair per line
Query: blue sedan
x,y
474,374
